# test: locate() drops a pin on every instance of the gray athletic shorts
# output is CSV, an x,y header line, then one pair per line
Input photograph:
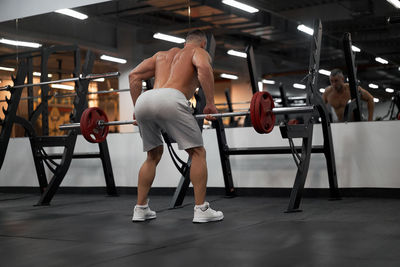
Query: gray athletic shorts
x,y
166,110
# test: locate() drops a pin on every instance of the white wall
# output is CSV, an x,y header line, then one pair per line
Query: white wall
x,y
367,155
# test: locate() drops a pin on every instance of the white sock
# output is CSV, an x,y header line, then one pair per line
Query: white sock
x,y
202,206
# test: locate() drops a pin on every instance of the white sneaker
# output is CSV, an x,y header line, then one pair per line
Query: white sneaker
x,y
204,213
142,213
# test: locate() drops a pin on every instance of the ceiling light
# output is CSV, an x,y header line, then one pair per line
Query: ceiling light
x,y
7,69
229,76
241,6
236,53
99,80
268,81
376,100
113,59
278,100
322,90
19,43
62,86
35,73
305,29
144,84
299,86
355,48
168,38
72,13
324,72
260,86
372,85
389,90
395,3
381,60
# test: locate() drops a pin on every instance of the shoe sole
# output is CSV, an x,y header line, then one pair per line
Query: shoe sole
x,y
142,220
208,220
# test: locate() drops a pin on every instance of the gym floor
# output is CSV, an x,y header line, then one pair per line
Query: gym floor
x,y
94,230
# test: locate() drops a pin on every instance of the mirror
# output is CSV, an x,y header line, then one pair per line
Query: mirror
x,y
125,29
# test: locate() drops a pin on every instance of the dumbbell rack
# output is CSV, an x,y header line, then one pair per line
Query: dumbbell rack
x,y
38,143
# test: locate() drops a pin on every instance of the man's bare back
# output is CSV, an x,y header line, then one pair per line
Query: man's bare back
x,y
182,69
175,69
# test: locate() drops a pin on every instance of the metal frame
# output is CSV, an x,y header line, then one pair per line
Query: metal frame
x,y
354,107
38,143
303,131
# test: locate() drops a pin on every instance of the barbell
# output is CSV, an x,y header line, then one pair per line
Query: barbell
x,y
94,123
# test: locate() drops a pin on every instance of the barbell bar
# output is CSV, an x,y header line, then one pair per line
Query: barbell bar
x,y
81,77
94,122
276,111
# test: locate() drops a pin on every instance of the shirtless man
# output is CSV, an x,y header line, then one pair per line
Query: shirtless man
x,y
338,94
166,108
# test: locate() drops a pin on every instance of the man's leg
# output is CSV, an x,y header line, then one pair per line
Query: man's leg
x,y
198,173
147,173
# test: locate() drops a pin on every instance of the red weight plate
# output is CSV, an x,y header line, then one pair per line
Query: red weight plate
x,y
267,116
255,112
90,129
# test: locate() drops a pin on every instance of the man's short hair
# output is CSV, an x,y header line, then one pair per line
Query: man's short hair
x,y
336,72
196,36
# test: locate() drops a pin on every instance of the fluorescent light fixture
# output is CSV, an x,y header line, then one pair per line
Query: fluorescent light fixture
x,y
381,60
376,100
229,76
268,81
324,72
322,90
236,53
168,38
389,90
19,43
35,73
299,86
278,100
99,80
113,59
260,86
373,86
7,69
305,29
398,69
355,48
241,6
72,13
395,3
62,86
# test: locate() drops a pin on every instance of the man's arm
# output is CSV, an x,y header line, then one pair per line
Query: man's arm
x,y
145,70
366,96
201,60
325,95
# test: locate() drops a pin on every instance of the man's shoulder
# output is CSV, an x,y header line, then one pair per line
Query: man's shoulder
x,y
165,52
328,89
